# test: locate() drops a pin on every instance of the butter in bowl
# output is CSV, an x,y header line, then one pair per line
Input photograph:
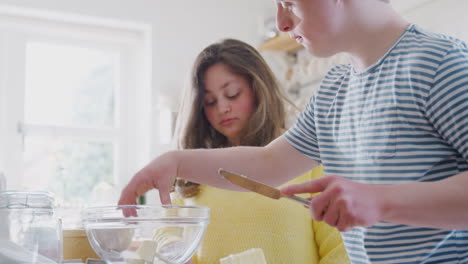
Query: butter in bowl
x,y
146,234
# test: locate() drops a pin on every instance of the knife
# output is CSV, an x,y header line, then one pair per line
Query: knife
x,y
258,187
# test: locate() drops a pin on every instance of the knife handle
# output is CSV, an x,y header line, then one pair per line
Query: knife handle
x,y
298,199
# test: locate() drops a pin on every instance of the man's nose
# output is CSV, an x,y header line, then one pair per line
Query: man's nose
x,y
283,19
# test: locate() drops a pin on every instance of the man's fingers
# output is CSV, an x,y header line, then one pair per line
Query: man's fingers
x,y
343,225
312,186
320,205
306,187
331,214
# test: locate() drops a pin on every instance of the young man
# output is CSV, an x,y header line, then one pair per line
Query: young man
x,y
391,130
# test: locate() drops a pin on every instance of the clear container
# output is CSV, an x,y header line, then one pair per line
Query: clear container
x,y
31,233
150,234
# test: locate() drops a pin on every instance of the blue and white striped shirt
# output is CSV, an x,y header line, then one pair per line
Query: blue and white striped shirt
x,y
404,119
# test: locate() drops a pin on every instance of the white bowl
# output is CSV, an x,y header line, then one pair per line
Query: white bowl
x,y
137,234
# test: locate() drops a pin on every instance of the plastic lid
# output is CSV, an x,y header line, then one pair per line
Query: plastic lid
x,y
25,199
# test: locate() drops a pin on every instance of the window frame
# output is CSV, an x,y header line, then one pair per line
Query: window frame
x,y
131,132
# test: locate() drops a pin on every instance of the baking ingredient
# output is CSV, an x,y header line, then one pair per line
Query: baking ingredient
x,y
165,240
135,261
114,239
164,236
147,250
12,253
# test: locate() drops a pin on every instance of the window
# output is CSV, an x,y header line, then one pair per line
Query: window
x,y
74,104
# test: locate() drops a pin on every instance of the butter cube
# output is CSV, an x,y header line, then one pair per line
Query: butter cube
x,y
167,235
136,261
147,250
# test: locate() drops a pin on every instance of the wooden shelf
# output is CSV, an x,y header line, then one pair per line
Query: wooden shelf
x,y
282,42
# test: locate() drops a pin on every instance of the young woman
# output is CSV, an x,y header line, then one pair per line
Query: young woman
x,y
235,100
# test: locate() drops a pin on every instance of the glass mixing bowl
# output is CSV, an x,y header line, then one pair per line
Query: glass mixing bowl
x,y
145,234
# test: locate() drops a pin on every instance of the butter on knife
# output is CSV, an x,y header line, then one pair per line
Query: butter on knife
x,y
258,187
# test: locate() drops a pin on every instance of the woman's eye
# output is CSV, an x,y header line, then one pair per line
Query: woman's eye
x,y
232,96
210,103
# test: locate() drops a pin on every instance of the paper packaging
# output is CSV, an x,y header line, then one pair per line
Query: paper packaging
x,y
76,245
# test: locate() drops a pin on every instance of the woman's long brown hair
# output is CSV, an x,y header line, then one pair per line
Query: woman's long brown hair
x,y
266,123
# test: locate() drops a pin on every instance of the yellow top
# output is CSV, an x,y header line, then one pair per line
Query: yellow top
x,y
282,228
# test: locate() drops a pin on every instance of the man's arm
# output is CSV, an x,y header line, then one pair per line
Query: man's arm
x,y
345,204
273,164
441,204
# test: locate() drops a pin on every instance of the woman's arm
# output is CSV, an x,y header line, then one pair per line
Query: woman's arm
x,y
273,164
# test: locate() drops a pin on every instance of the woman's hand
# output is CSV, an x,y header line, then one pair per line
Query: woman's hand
x,y
159,174
342,203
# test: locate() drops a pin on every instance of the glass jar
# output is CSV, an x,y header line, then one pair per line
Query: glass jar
x,y
30,231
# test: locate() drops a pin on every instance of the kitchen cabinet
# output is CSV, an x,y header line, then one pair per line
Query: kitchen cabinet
x,y
298,71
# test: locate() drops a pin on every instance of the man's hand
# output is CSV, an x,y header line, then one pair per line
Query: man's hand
x,y
342,203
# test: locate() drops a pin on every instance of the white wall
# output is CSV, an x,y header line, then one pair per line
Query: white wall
x,y
448,17
181,28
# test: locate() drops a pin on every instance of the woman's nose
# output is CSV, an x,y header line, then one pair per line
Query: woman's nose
x,y
224,106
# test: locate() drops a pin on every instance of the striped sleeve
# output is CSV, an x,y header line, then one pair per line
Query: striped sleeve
x,y
302,135
447,102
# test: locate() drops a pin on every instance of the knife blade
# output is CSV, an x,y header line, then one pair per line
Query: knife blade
x,y
258,187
